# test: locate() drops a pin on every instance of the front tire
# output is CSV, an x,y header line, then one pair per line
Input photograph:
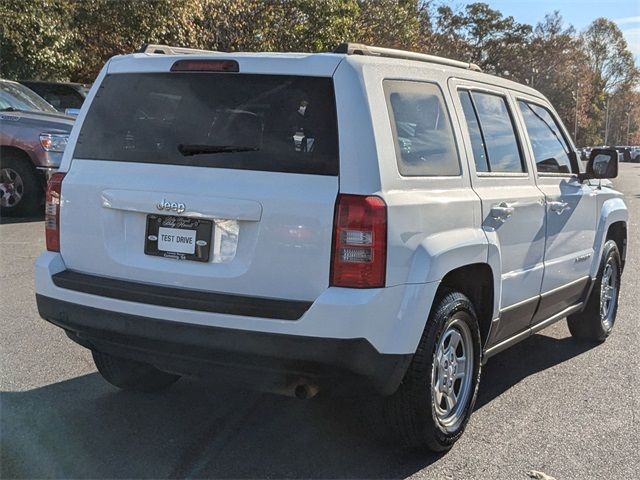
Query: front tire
x,y
595,322
131,375
433,404
20,190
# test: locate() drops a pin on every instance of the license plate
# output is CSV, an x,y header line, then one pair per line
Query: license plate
x,y
178,237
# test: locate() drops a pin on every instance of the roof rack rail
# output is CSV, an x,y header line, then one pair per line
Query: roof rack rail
x,y
360,49
169,50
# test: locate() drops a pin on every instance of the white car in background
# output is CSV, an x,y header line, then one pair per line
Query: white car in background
x,y
367,221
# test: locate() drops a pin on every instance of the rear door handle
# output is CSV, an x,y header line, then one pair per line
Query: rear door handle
x,y
502,211
559,207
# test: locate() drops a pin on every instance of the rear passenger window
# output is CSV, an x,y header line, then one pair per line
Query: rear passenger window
x,y
422,130
477,143
492,133
550,149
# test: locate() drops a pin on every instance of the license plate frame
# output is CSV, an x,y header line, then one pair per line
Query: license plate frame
x,y
203,229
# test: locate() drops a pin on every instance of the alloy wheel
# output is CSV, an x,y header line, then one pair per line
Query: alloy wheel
x,y
608,294
11,187
452,373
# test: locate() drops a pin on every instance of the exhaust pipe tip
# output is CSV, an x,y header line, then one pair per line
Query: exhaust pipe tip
x,y
305,391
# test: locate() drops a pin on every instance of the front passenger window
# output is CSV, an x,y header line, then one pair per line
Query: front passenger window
x,y
550,149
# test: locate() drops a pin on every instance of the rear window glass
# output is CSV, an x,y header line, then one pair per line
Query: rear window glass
x,y
226,120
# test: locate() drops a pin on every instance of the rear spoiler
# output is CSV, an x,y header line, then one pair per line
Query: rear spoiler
x,y
169,50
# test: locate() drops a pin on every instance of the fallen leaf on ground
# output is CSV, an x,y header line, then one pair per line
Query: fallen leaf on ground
x,y
539,475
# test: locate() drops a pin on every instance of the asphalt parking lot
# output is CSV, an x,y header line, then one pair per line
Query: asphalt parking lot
x,y
549,404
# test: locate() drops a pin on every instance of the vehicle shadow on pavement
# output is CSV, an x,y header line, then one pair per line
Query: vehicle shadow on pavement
x,y
5,220
83,427
539,352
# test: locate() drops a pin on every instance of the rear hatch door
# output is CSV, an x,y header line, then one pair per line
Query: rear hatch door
x,y
213,181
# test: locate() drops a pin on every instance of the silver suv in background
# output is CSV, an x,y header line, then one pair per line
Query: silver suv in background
x,y
33,136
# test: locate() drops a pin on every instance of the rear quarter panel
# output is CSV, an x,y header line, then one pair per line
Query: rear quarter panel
x,y
434,222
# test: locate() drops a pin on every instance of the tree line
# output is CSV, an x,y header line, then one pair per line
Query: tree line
x,y
590,76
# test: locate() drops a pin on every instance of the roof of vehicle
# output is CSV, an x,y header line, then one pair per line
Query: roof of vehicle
x,y
46,82
154,58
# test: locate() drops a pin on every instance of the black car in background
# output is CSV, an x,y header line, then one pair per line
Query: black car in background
x,y
62,96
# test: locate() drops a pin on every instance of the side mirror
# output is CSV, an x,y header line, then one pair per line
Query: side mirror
x,y
72,111
603,163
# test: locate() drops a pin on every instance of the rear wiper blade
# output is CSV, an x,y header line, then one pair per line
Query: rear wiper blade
x,y
188,150
10,109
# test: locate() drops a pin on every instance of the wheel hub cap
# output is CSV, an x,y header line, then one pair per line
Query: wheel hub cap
x,y
608,294
452,375
11,187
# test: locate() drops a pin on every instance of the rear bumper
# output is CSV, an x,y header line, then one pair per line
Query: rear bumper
x,y
391,319
267,361
181,297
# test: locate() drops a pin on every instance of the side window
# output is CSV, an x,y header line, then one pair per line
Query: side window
x,y
498,132
421,126
550,149
477,143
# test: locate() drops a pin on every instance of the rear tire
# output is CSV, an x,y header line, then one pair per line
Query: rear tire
x,y
20,190
131,375
596,321
422,413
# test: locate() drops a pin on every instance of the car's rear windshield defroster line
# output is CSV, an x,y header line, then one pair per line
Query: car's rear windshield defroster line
x,y
283,123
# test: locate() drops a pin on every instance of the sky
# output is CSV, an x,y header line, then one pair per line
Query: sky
x,y
579,13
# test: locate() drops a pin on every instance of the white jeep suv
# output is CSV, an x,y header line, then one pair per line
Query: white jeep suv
x,y
368,220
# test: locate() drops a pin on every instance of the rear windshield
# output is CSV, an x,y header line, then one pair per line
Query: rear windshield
x,y
252,122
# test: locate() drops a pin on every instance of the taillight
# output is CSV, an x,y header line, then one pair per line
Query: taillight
x,y
359,242
52,212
